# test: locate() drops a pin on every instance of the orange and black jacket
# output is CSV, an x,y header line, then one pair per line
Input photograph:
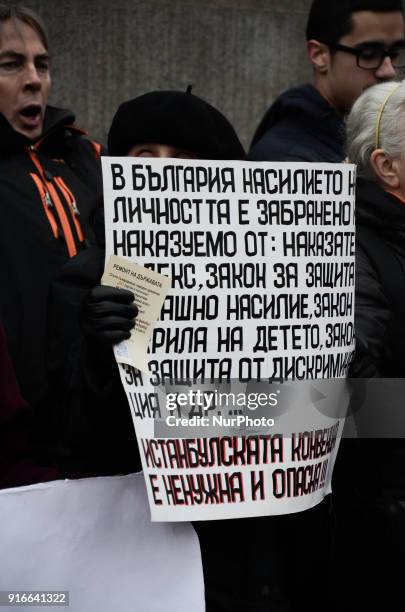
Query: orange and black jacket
x,y
49,190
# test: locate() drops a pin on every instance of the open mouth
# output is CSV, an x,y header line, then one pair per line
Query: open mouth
x,y
31,111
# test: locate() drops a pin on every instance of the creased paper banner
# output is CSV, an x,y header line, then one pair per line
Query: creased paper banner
x,y
261,258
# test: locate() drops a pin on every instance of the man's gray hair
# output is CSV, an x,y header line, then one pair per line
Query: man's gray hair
x,y
377,120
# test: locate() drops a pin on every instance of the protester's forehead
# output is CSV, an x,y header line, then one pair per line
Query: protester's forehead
x,y
15,32
385,27
162,149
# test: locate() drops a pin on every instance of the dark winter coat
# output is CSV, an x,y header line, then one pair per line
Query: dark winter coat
x,y
48,190
377,464
380,321
17,466
369,476
299,126
97,435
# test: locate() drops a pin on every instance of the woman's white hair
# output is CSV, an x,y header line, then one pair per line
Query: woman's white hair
x,y
377,120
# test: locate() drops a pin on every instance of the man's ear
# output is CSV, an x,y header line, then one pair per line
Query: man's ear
x,y
386,168
319,55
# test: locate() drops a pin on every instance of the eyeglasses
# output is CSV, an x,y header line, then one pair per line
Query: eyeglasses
x,y
370,56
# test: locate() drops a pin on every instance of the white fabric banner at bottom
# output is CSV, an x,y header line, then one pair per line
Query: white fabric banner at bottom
x,y
93,538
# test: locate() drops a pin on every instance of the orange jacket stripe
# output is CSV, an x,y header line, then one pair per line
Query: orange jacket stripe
x,y
70,199
67,232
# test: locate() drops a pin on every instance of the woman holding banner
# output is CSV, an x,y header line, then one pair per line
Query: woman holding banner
x,y
254,564
157,124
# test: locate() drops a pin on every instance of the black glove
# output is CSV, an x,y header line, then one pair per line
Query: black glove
x,y
363,364
107,315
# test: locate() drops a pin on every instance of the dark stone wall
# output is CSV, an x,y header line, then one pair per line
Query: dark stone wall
x,y
237,54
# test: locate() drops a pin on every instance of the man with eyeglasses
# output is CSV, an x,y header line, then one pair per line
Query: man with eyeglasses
x,y
351,44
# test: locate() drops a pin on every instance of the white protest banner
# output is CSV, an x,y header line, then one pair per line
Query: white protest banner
x,y
261,258
93,539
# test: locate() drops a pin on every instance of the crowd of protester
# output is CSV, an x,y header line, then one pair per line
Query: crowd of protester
x,y
58,378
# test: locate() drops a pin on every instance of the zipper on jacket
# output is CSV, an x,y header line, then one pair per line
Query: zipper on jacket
x,y
47,203
54,196
70,199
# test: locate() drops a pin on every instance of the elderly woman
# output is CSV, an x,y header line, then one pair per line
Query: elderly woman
x,y
370,473
376,143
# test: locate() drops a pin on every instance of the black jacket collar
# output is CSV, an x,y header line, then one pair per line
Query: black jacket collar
x,y
55,119
306,105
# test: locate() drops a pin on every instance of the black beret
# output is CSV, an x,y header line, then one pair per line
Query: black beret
x,y
176,119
